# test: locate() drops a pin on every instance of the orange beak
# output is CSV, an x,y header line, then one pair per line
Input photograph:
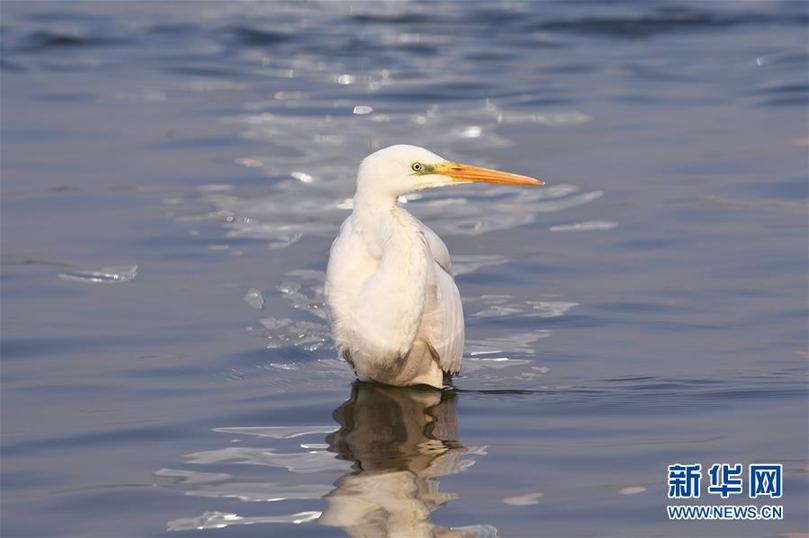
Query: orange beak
x,y
466,173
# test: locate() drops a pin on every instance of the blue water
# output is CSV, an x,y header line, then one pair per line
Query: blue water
x,y
173,174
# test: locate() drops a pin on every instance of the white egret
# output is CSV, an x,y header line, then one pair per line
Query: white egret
x,y
395,310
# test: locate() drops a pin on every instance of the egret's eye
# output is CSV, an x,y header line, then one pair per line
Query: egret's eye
x,y
417,167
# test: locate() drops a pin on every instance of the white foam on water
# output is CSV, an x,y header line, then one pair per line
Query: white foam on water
x,y
113,274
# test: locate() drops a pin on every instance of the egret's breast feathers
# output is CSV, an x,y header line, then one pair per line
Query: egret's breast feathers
x,y
377,304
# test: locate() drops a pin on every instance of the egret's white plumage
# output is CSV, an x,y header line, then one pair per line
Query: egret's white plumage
x,y
395,309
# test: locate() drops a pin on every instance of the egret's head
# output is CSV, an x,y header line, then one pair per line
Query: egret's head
x,y
400,169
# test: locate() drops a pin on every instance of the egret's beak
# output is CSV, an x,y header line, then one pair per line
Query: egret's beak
x,y
466,173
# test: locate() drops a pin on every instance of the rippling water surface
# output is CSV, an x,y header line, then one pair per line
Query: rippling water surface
x,y
173,174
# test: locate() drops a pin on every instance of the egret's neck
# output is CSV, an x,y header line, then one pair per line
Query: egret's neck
x,y
379,220
368,203
373,213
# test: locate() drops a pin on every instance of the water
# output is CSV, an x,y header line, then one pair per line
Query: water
x,y
173,174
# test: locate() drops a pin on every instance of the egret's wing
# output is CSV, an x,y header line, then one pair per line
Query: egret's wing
x,y
443,312
437,247
443,320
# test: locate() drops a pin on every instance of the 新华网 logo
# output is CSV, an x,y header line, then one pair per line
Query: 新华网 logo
x,y
725,480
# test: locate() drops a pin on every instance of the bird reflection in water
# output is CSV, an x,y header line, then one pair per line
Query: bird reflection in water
x,y
401,439
398,440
